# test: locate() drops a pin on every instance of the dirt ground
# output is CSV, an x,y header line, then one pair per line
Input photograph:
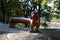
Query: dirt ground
x,y
24,34
43,34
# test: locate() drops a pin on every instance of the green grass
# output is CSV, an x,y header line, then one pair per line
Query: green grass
x,y
54,20
20,25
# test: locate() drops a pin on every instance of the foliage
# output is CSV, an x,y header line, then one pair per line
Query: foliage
x,y
14,8
11,8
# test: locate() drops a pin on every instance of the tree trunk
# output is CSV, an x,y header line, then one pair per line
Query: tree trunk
x,y
3,11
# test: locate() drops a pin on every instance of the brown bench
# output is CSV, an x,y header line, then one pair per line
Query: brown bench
x,y
32,21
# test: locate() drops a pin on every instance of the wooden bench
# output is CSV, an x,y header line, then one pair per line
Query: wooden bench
x,y
32,21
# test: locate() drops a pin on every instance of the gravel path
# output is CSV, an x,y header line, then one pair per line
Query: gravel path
x,y
44,34
24,34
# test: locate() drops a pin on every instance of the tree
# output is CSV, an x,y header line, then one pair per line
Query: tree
x,y
10,8
3,10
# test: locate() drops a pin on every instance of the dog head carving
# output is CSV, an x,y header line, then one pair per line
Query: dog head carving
x,y
34,15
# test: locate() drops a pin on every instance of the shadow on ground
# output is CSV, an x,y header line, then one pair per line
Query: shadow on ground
x,y
52,33
44,34
24,34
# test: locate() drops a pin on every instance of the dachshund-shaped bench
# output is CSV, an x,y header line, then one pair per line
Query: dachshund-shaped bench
x,y
32,21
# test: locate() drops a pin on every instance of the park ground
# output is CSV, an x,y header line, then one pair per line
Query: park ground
x,y
50,33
